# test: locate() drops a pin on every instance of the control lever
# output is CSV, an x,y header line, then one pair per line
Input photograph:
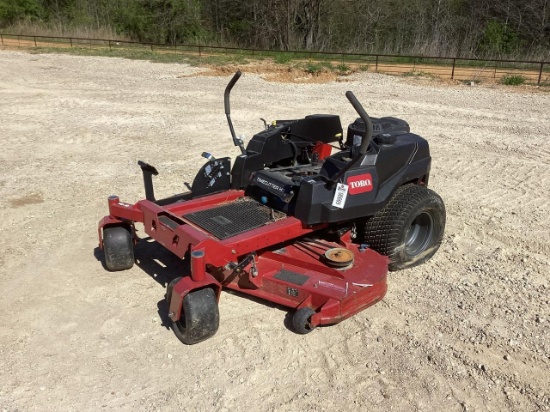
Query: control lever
x,y
148,172
364,142
226,103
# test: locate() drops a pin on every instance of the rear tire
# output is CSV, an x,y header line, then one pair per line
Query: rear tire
x,y
118,248
199,318
409,230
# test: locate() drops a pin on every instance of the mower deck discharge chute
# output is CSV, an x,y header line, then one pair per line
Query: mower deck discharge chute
x,y
292,221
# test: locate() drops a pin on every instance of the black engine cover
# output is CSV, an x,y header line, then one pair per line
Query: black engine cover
x,y
317,193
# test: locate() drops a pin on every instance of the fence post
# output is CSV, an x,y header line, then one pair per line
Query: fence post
x,y
376,70
200,50
35,41
453,72
71,41
540,73
110,44
2,37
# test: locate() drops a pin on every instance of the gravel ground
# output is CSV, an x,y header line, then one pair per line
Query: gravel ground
x,y
467,331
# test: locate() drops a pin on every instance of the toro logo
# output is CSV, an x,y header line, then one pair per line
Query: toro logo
x,y
360,184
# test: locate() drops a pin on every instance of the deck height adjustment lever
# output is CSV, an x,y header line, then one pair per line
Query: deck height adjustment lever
x,y
238,268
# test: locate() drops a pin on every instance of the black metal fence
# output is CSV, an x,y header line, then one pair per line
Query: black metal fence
x,y
457,68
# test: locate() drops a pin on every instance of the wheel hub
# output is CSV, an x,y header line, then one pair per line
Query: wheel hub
x,y
419,234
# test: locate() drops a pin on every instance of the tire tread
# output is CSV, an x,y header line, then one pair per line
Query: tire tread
x,y
382,231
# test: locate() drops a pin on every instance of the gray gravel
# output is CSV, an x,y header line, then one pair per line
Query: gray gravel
x,y
467,331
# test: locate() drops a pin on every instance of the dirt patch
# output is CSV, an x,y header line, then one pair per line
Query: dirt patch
x,y
317,73
30,199
274,72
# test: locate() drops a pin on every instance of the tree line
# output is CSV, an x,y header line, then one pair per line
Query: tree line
x,y
466,28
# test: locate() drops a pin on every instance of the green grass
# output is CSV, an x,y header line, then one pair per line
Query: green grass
x,y
418,73
313,68
513,80
162,55
283,58
216,60
135,54
343,68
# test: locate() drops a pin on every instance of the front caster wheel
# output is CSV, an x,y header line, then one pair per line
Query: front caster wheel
x,y
118,248
199,318
301,321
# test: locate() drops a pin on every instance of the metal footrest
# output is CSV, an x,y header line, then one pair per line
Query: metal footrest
x,y
234,218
